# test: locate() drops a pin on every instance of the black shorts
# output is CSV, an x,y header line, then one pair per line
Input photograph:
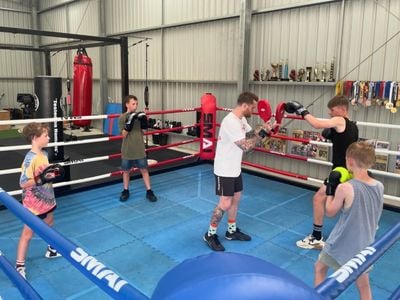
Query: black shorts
x,y
227,186
44,215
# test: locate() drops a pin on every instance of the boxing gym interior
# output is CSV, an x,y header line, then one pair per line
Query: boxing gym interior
x,y
71,63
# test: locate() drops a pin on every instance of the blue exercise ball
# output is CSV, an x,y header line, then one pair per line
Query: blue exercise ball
x,y
233,276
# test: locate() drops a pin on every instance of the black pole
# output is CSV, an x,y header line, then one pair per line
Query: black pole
x,y
47,61
146,96
124,70
146,89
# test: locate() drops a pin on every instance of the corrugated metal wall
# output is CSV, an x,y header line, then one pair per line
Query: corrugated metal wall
x,y
16,67
194,48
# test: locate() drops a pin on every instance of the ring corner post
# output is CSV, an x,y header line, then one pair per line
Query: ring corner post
x,y
207,126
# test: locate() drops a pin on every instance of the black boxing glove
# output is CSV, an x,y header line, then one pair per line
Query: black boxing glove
x,y
141,116
263,133
130,120
49,174
296,107
332,183
327,133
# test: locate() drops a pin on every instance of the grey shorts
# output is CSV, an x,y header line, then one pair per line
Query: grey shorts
x,y
127,164
328,260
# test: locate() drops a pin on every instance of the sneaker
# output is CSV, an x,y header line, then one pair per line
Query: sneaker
x,y
52,253
237,235
124,195
310,242
21,271
213,242
150,196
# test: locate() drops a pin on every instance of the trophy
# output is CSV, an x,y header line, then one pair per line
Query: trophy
x,y
285,76
323,73
308,74
316,72
300,75
256,75
267,75
274,76
332,70
292,75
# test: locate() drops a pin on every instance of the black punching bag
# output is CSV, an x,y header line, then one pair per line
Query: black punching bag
x,y
48,90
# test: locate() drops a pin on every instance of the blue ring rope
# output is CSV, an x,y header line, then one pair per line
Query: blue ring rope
x,y
26,290
335,284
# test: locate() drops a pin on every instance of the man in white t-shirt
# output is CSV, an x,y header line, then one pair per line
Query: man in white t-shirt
x,y
235,137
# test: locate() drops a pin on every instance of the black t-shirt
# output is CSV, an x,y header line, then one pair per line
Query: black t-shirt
x,y
341,141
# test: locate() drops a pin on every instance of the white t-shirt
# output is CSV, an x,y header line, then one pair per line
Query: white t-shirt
x,y
228,156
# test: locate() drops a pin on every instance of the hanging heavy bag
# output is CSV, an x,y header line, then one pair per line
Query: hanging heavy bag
x,y
83,84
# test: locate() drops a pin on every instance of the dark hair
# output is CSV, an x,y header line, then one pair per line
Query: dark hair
x,y
129,97
34,129
247,97
338,101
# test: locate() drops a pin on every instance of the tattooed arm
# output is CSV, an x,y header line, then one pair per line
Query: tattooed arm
x,y
252,138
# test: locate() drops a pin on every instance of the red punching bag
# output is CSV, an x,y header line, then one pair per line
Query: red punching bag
x,y
83,83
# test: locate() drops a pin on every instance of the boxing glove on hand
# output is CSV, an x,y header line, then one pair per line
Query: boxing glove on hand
x,y
49,174
130,120
327,133
296,107
332,183
141,116
337,176
263,133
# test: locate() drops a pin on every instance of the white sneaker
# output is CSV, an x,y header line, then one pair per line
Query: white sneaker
x,y
52,253
21,271
310,242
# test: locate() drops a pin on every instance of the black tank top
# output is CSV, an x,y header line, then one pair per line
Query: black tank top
x,y
341,141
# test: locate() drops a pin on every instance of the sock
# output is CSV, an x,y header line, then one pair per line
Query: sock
x,y
19,263
317,231
212,229
231,226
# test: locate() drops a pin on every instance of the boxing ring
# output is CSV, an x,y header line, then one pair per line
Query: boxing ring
x,y
175,283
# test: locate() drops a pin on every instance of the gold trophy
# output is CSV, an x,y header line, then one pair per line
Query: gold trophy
x,y
300,75
274,76
316,72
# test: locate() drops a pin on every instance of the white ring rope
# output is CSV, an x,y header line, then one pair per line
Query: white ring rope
x,y
102,176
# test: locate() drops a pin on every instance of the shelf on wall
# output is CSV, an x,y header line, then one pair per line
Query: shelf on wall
x,y
294,83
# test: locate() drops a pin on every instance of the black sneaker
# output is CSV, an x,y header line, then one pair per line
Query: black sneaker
x,y
237,235
213,242
150,196
124,195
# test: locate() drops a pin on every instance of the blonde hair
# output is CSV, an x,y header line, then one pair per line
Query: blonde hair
x,y
363,154
34,129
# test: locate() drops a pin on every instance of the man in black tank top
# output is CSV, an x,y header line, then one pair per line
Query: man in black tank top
x,y
342,132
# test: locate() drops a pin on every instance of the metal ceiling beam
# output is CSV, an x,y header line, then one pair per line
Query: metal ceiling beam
x,y
20,47
15,30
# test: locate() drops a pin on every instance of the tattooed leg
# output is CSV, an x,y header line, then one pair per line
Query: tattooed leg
x,y
217,215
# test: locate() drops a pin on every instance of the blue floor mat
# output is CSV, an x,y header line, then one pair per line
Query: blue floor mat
x,y
141,241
